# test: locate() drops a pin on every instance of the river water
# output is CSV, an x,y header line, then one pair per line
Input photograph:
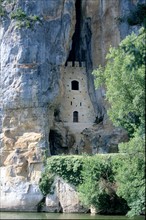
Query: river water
x,y
39,215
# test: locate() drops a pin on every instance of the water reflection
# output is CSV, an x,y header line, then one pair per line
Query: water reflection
x,y
28,215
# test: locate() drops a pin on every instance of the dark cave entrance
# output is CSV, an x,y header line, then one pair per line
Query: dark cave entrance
x,y
56,143
77,53
54,140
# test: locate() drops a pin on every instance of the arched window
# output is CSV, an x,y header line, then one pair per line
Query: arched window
x,y
75,116
75,85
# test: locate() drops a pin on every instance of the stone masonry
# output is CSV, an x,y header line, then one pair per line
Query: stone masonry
x,y
76,108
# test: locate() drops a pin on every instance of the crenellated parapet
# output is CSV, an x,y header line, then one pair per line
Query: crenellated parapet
x,y
75,64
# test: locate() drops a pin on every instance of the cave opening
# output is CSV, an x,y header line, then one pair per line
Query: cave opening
x,y
77,53
56,143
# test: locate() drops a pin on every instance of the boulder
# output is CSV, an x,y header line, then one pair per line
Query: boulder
x,y
64,198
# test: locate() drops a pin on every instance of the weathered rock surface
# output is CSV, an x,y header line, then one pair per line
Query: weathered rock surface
x,y
61,139
65,198
102,138
30,64
17,193
31,87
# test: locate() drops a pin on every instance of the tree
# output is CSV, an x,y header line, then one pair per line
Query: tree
x,y
123,77
98,188
130,176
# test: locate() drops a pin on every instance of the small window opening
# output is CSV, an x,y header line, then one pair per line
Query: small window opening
x,y
75,116
80,104
75,85
71,103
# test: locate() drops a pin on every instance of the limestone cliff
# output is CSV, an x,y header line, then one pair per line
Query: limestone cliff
x,y
37,39
30,87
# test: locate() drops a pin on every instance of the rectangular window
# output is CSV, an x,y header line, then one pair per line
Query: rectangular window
x,y
75,116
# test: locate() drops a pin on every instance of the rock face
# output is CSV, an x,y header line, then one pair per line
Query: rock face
x,y
102,138
17,194
30,86
64,198
31,89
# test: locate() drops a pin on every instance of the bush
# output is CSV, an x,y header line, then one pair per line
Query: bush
x,y
112,183
130,175
23,20
67,167
99,187
93,177
46,182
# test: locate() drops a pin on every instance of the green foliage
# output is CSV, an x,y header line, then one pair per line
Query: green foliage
x,y
130,175
23,20
107,182
19,14
98,187
3,4
67,167
124,78
46,182
92,175
2,10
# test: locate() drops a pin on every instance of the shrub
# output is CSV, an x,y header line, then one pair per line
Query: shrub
x,y
99,187
46,182
112,183
130,175
23,20
67,167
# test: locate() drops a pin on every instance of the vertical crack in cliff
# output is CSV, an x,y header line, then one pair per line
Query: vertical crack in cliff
x,y
77,53
81,40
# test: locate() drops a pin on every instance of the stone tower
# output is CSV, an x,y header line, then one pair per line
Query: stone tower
x,y
76,109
